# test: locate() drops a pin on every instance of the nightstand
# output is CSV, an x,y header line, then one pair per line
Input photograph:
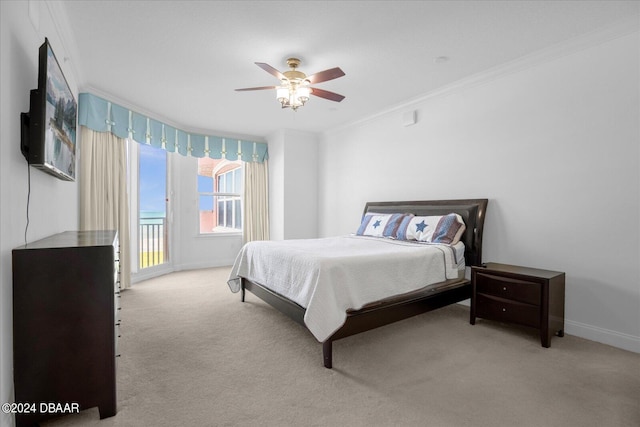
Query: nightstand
x,y
521,295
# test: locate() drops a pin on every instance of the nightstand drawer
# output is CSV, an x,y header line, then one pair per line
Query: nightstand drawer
x,y
503,310
509,288
515,294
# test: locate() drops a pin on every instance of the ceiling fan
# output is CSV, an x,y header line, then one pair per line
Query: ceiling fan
x,y
294,89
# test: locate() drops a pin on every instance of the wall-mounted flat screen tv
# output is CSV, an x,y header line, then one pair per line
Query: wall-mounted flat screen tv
x,y
48,130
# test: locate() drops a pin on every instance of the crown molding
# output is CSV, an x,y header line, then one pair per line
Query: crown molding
x,y
559,50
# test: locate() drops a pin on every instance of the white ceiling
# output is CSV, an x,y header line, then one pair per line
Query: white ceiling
x,y
182,60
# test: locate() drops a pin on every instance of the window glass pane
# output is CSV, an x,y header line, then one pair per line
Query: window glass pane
x,y
207,213
220,212
229,180
237,180
206,203
229,213
205,184
152,198
238,223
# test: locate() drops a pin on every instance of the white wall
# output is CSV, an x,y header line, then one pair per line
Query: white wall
x,y
276,143
193,250
293,185
53,203
554,145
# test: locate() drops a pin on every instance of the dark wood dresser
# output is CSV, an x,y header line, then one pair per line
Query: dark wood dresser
x,y
522,295
65,325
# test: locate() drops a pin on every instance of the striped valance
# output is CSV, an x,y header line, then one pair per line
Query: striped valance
x,y
104,116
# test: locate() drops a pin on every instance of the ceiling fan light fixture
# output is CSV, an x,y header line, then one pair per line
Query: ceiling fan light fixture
x,y
294,90
303,93
282,94
292,95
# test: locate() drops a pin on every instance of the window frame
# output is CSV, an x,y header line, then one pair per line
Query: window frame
x,y
236,195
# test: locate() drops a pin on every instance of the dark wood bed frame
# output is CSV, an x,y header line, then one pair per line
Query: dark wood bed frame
x,y
400,307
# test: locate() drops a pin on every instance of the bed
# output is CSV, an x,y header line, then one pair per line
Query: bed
x,y
340,286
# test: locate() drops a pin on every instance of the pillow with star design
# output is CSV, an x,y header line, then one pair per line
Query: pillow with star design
x,y
380,225
446,229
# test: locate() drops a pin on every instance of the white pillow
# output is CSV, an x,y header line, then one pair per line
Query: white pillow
x,y
373,224
380,225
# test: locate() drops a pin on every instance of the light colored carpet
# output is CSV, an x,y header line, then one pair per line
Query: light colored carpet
x,y
194,355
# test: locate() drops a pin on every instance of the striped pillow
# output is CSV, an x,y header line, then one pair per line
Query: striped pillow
x,y
449,229
445,229
379,224
401,232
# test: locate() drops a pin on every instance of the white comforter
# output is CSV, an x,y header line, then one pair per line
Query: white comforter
x,y
331,275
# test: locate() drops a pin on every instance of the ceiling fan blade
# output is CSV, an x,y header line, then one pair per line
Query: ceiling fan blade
x,y
325,75
269,69
331,96
255,88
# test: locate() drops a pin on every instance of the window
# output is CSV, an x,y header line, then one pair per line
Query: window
x,y
152,199
220,195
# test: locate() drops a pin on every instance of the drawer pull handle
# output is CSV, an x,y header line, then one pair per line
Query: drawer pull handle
x,y
504,288
504,309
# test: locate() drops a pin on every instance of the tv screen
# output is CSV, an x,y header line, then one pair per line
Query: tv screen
x,y
49,129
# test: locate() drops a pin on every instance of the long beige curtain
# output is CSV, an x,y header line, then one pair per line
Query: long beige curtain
x,y
104,202
256,201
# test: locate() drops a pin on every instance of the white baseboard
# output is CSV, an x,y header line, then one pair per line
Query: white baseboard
x,y
201,265
594,333
604,336
162,270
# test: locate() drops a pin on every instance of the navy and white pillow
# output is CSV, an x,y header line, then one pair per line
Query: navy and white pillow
x,y
401,232
445,229
380,225
449,229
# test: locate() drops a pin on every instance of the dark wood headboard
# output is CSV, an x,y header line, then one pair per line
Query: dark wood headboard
x,y
472,212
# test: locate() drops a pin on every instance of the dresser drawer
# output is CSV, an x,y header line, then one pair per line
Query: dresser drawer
x,y
502,310
509,288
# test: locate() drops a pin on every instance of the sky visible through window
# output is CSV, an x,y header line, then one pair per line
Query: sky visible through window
x,y
205,185
152,181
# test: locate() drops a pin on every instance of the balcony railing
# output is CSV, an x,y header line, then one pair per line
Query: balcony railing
x,y
152,241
